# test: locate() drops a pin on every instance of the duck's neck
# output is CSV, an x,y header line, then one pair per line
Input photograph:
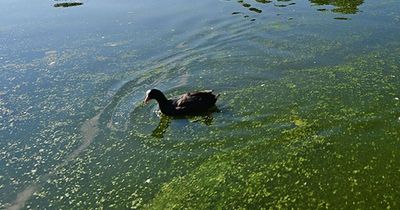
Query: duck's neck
x,y
161,99
164,105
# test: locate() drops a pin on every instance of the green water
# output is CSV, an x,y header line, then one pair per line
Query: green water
x,y
309,107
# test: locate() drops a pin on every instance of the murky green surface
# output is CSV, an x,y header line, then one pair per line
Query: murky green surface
x,y
309,107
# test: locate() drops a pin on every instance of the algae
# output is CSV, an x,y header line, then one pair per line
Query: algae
x,y
335,116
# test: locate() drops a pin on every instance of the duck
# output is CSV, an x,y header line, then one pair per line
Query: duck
x,y
191,103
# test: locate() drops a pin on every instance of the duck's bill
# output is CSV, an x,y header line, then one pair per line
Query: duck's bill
x,y
146,100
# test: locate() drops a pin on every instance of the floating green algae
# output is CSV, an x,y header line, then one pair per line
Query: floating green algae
x,y
291,140
303,116
337,159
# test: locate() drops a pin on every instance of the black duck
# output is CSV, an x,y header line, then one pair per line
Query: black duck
x,y
194,103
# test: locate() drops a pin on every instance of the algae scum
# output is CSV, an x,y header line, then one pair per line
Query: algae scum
x,y
309,107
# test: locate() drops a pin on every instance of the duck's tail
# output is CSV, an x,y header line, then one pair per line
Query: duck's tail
x,y
211,92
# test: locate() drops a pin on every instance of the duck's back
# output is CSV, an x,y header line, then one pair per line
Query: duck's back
x,y
195,102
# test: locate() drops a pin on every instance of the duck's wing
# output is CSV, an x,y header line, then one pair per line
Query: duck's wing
x,y
197,98
183,100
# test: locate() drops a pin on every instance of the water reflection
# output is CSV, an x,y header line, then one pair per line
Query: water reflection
x,y
253,9
165,122
162,127
68,4
263,1
256,9
249,6
341,6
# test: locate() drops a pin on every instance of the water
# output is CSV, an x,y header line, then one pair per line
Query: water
x,y
309,104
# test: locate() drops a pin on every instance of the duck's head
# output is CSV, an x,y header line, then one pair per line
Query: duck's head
x,y
154,94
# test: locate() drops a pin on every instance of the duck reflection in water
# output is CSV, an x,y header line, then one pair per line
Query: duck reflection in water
x,y
165,121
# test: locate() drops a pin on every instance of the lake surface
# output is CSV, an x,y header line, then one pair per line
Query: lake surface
x,y
309,107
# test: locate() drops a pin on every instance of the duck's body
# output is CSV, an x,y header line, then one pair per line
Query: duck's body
x,y
187,104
